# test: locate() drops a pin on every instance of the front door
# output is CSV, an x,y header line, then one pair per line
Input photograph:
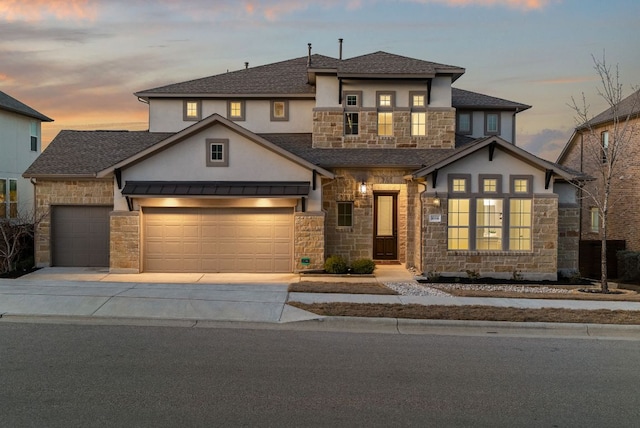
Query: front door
x,y
385,226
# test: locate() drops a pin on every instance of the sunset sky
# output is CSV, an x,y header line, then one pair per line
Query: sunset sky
x,y
80,61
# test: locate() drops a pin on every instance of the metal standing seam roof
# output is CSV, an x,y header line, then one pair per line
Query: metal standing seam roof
x,y
11,104
216,188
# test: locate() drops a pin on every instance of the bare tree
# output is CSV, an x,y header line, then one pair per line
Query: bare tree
x,y
15,234
607,153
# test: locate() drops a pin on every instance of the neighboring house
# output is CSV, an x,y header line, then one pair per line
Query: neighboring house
x,y
274,168
585,152
20,145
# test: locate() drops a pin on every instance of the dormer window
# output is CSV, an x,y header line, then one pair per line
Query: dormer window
x,y
192,110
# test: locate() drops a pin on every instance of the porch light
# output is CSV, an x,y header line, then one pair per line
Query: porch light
x,y
436,200
363,188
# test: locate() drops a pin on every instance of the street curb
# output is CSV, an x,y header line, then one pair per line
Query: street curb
x,y
365,325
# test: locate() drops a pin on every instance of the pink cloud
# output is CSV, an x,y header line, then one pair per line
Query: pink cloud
x,y
36,10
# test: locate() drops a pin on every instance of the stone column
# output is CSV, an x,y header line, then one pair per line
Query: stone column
x,y
309,240
124,248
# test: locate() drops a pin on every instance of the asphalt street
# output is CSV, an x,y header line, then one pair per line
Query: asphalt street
x,y
104,376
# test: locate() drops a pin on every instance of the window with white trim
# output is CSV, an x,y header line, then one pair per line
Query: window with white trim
x,y
604,140
351,123
418,113
33,128
594,214
217,152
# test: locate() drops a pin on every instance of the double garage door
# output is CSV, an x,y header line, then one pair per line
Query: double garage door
x,y
217,239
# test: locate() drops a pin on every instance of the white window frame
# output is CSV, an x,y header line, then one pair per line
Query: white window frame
x,y
221,143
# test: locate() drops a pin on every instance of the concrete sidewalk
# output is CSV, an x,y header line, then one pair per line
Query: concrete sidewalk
x,y
95,295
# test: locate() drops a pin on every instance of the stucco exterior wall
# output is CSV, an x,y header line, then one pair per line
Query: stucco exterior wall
x,y
65,192
166,115
538,264
15,146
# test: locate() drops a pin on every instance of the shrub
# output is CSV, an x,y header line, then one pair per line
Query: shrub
x,y
335,264
628,265
363,266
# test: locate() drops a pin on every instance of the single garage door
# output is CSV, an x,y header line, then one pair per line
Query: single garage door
x,y
80,236
217,239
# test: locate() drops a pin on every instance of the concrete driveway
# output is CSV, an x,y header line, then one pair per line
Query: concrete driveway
x,y
86,292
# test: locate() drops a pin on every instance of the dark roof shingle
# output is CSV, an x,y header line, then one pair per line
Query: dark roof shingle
x,y
461,98
9,103
84,153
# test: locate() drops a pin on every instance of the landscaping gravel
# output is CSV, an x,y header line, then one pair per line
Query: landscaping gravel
x,y
417,289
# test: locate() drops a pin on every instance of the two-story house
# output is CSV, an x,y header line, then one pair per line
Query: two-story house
x,y
20,145
273,168
587,151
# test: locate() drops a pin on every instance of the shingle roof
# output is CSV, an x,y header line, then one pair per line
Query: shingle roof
x,y
383,63
461,98
629,106
290,77
9,103
286,77
300,145
84,153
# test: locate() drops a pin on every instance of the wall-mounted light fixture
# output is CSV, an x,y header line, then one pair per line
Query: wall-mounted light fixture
x,y
436,200
363,188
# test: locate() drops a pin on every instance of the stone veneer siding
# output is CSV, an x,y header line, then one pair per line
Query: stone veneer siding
x,y
538,264
124,249
568,238
328,130
309,240
64,192
357,241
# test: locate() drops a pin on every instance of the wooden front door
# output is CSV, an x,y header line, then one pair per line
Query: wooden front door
x,y
385,226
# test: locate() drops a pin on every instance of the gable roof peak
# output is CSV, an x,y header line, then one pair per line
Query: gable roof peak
x,y
8,103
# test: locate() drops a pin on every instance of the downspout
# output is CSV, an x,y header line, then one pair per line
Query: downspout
x,y
34,182
513,126
421,252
